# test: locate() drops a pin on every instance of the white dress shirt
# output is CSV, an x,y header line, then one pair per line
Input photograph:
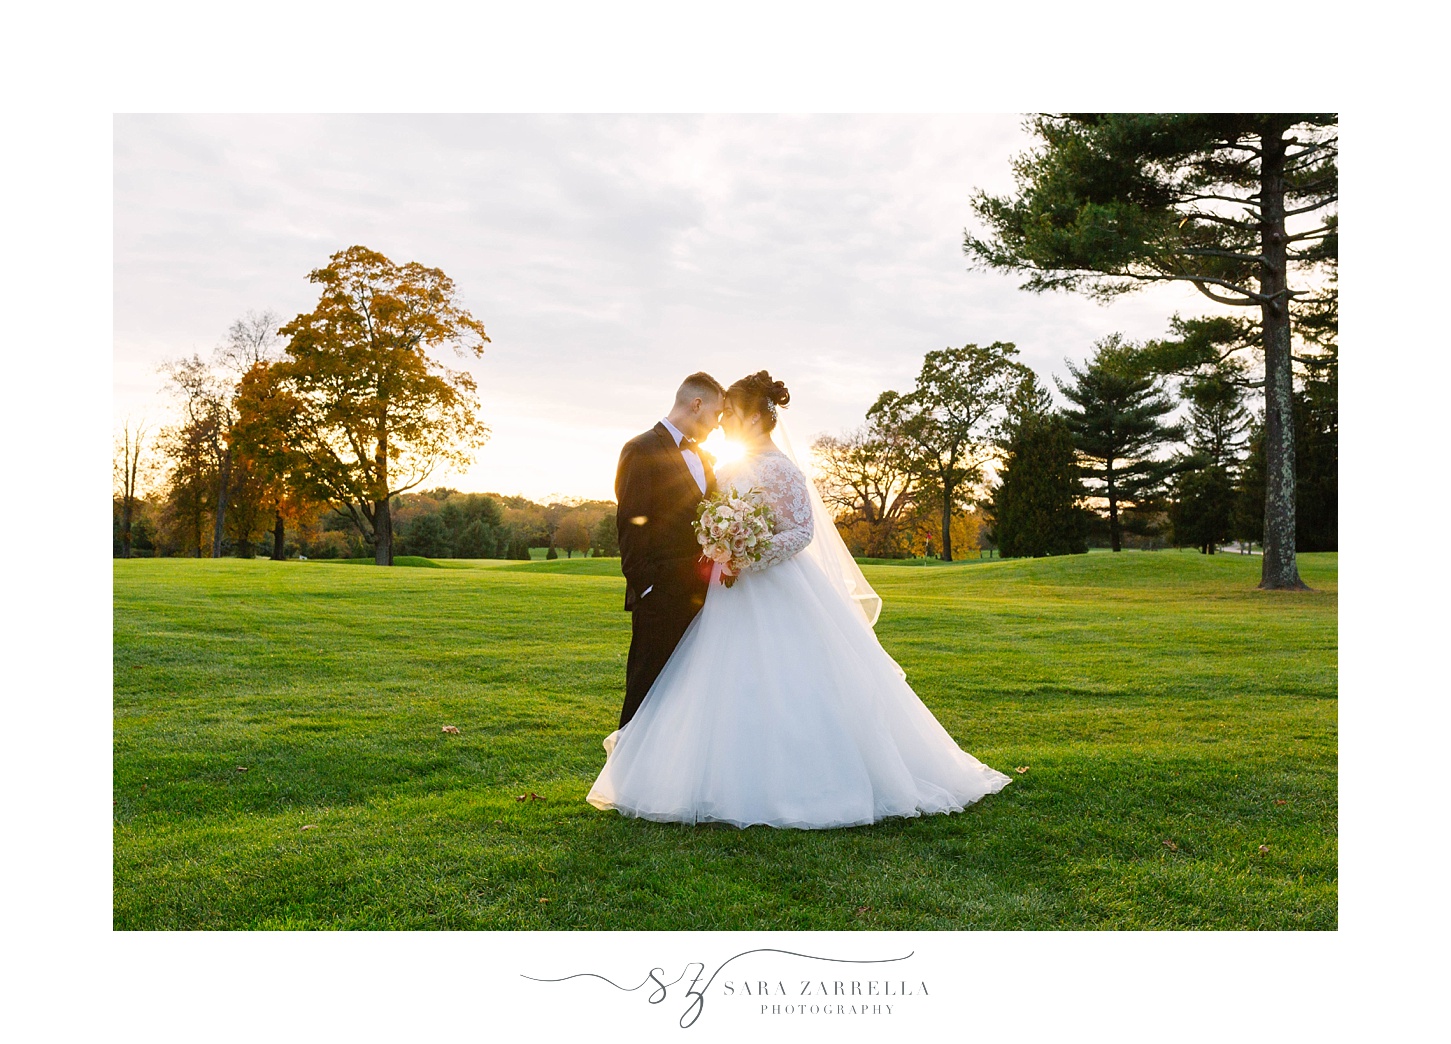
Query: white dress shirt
x,y
692,461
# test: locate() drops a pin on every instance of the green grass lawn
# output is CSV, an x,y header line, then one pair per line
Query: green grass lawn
x,y
1172,720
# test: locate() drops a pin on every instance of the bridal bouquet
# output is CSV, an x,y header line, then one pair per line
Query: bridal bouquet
x,y
734,530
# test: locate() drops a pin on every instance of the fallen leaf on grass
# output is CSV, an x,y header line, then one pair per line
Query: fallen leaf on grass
x,y
1171,846
544,900
1281,801
310,826
452,730
498,822
1021,769
531,796
1264,849
863,909
241,768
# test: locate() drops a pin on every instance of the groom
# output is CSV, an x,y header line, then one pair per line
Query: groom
x,y
662,478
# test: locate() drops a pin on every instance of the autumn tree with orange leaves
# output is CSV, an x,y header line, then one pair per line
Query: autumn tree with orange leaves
x,y
265,434
375,412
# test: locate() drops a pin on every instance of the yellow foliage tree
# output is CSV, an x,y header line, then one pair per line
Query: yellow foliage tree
x,y
376,413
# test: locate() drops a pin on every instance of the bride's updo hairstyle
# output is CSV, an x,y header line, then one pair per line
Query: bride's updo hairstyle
x,y
758,393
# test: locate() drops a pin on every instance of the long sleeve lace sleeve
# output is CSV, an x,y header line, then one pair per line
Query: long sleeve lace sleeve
x,y
785,489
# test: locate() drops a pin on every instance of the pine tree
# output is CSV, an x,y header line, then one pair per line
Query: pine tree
x,y
1037,503
605,538
1317,437
426,535
1241,206
1317,459
1202,511
476,541
1116,429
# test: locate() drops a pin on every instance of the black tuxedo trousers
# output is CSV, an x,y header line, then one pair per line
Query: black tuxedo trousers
x,y
658,501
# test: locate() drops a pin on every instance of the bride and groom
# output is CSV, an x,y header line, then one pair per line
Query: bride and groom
x,y
768,700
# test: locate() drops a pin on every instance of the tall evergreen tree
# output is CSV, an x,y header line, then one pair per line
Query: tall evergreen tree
x,y
1317,434
1247,522
1202,510
1317,462
1217,420
473,522
426,535
476,541
604,537
1036,505
1240,206
1117,428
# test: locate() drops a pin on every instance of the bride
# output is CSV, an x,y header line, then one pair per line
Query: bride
x,y
779,706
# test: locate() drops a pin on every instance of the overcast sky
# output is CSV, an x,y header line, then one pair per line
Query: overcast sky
x,y
606,256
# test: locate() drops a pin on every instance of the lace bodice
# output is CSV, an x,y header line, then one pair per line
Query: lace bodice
x,y
784,489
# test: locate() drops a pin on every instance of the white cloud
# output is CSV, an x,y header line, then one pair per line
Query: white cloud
x,y
607,256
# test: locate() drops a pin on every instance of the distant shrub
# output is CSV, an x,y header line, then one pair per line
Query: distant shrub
x,y
476,541
427,536
605,538
329,545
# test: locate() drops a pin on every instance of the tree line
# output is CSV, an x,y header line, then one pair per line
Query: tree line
x,y
1241,206
435,523
311,437
1136,456
357,409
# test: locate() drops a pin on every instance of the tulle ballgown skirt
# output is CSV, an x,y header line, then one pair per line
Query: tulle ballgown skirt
x,y
780,707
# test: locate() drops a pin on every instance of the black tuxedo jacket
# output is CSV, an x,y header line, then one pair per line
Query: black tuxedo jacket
x,y
657,502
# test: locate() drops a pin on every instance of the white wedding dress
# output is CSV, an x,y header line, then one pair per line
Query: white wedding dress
x,y
779,706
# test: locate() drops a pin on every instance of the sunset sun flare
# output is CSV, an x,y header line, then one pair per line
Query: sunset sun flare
x,y
723,449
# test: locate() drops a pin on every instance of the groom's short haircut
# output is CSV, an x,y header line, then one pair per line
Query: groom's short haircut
x,y
699,386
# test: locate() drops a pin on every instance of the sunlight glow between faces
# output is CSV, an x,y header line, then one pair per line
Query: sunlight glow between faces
x,y
721,448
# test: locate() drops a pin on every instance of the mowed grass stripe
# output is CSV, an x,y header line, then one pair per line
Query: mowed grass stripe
x,y
1172,720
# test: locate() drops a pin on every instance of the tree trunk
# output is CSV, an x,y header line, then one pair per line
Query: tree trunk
x,y
382,533
1115,542
1278,571
947,522
131,462
382,516
225,478
126,502
277,534
196,501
